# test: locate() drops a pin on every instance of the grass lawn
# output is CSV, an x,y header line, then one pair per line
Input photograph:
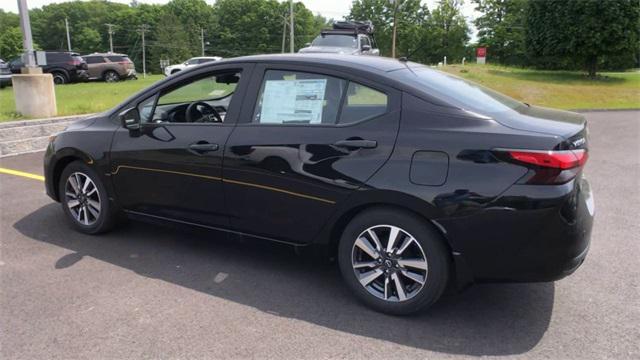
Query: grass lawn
x,y
557,89
83,98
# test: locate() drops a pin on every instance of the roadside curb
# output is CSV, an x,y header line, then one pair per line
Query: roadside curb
x,y
27,136
19,123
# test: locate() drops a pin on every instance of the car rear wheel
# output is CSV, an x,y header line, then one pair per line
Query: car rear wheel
x,y
84,199
59,78
393,261
111,76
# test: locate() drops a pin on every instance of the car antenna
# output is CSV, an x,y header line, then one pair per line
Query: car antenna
x,y
407,57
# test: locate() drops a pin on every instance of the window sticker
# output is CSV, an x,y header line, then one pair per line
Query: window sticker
x,y
296,101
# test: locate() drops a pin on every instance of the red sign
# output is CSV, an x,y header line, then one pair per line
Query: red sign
x,y
481,52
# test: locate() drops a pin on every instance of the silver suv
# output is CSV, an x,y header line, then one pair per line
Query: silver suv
x,y
346,37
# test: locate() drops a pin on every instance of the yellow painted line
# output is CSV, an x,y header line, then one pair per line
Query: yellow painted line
x,y
21,173
163,171
264,187
278,190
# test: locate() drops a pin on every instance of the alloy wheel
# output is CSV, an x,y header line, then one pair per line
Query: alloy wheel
x,y
82,198
389,263
111,77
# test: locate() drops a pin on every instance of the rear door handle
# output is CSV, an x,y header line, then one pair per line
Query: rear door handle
x,y
362,144
203,147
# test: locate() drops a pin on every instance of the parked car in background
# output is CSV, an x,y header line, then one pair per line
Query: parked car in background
x,y
172,69
110,67
346,37
66,67
5,74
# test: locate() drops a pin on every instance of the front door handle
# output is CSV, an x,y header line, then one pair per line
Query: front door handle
x,y
203,147
361,144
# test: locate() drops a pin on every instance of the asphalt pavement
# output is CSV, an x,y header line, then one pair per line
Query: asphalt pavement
x,y
145,291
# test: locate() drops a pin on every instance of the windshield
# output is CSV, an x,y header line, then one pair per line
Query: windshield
x,y
336,40
459,92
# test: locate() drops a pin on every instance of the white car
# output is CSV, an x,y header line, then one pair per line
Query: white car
x,y
172,69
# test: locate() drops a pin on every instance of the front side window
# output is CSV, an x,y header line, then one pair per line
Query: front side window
x,y
202,100
289,97
193,62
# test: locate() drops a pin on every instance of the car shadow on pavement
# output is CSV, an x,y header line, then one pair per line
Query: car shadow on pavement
x,y
498,319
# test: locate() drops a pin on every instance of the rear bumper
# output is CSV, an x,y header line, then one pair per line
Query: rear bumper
x,y
530,234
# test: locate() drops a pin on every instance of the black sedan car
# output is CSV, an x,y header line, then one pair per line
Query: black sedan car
x,y
414,179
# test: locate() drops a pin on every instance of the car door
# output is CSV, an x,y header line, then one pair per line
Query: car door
x,y
95,65
307,138
172,167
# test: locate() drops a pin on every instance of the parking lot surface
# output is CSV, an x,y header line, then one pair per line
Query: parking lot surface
x,y
151,292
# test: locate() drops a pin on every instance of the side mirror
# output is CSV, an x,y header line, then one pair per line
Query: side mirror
x,y
366,47
307,44
130,119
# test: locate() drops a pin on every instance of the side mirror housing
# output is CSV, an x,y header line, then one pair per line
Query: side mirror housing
x,y
366,47
130,119
307,44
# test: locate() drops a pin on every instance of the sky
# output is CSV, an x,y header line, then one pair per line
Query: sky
x,y
335,9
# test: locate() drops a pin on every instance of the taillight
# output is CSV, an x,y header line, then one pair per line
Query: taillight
x,y
74,62
547,167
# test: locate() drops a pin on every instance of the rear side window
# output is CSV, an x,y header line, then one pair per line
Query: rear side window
x,y
116,58
94,59
362,103
289,97
53,58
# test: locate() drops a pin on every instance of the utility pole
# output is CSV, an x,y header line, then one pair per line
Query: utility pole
x,y
202,39
66,23
395,23
143,29
27,40
291,26
111,32
33,91
284,31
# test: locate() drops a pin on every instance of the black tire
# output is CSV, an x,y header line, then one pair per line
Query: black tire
x,y
431,245
59,78
107,215
110,76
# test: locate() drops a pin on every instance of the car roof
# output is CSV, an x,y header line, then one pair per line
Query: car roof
x,y
205,57
372,63
105,54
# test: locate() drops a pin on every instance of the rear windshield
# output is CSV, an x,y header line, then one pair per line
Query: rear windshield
x,y
336,40
458,92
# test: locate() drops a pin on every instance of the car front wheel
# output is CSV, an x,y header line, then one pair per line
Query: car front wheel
x,y
393,261
84,199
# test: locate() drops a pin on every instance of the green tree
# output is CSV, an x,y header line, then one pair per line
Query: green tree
x,y
411,17
501,29
581,33
10,43
447,32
